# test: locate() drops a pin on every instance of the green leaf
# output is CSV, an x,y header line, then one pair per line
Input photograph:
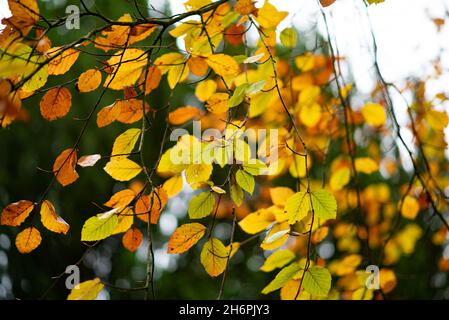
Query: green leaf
x,y
256,168
237,194
285,275
375,1
297,207
324,204
245,180
238,95
277,260
288,37
201,205
100,227
255,87
125,142
317,281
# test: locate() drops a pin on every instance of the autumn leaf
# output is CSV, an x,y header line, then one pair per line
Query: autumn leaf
x,y
214,257
127,67
122,169
286,274
63,60
100,226
89,80
16,213
277,260
56,103
184,114
64,167
28,240
185,237
121,199
223,64
87,290
257,221
201,205
132,239
317,281
374,114
152,205
51,220
89,160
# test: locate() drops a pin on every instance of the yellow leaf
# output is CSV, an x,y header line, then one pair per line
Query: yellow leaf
x,y
269,17
28,240
125,220
87,290
223,64
16,213
310,114
51,220
205,89
173,185
366,165
196,173
276,237
214,257
185,237
279,195
277,260
122,169
388,280
257,221
288,37
281,279
374,114
438,120
340,178
127,66
410,207
124,143
218,103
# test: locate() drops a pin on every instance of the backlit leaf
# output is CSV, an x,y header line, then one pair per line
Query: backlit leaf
x,y
28,240
51,220
185,237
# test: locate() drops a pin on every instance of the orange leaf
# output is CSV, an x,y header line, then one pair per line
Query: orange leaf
x,y
198,66
184,114
16,213
326,3
121,199
51,220
56,103
28,240
153,79
130,110
89,80
63,62
107,115
185,237
25,13
153,203
64,167
132,239
234,35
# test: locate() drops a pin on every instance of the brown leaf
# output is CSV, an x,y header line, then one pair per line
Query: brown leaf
x,y
16,213
153,203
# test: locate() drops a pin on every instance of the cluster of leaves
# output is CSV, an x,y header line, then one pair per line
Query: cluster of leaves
x,y
273,85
